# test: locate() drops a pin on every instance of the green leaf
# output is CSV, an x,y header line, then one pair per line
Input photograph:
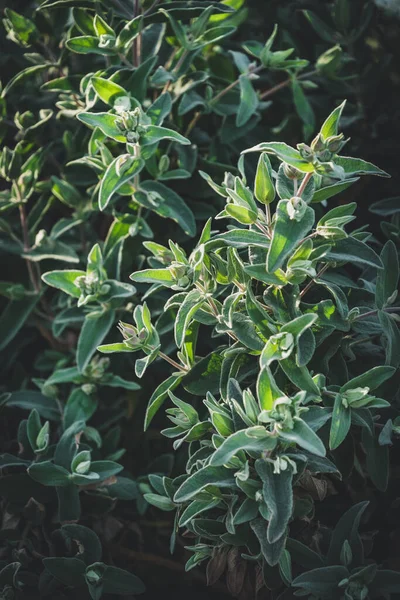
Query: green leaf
x,y
158,397
87,539
105,468
238,238
167,203
192,302
33,427
278,496
392,334
28,399
95,328
356,166
347,529
331,123
161,502
300,376
118,381
304,436
322,582
285,153
205,375
88,44
107,90
22,75
215,33
387,279
106,122
154,134
248,101
272,552
122,170
241,213
253,439
287,234
385,582
267,390
386,207
79,407
111,348
161,276
377,460
14,316
329,191
353,250
119,581
209,475
64,281
70,571
372,379
299,325
195,508
341,421
324,31
49,474
66,192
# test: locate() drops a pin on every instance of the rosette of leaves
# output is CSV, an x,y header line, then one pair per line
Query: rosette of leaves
x,y
282,389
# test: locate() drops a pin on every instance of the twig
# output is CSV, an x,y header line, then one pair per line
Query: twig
x,y
171,361
193,123
303,184
283,84
137,44
311,283
232,85
176,69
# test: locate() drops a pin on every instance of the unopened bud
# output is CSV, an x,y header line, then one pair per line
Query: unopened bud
x,y
318,143
335,143
291,172
306,152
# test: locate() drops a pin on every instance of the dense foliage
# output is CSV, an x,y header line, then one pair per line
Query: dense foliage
x,y
137,141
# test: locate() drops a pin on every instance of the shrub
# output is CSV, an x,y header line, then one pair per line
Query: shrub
x,y
124,128
288,315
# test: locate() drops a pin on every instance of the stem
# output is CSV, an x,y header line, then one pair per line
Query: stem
x,y
136,179
371,313
311,283
172,362
171,59
137,44
233,85
25,234
176,68
125,61
193,123
303,184
263,229
283,84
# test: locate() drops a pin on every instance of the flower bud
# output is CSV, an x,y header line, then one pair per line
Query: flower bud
x,y
291,172
318,143
306,152
296,207
335,143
